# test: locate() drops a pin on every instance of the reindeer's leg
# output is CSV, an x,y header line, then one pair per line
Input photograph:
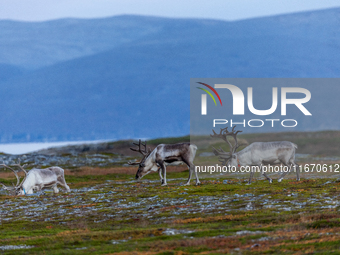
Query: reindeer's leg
x,y
285,172
250,177
61,181
160,175
30,191
63,184
265,174
190,172
37,188
55,189
297,168
191,167
162,165
196,175
67,188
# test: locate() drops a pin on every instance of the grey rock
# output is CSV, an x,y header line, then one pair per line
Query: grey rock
x,y
247,232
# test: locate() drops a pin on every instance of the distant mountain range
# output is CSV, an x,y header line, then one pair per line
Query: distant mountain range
x,y
129,76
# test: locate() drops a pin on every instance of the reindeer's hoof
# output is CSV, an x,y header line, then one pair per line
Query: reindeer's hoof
x,y
248,183
164,184
298,179
270,181
279,180
162,181
198,183
188,183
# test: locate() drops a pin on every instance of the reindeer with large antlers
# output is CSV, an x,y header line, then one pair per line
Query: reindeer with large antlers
x,y
257,154
37,179
163,155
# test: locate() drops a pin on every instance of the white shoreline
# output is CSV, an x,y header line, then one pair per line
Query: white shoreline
x,y
22,148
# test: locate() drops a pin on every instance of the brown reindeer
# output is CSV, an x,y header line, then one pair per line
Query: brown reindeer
x,y
163,155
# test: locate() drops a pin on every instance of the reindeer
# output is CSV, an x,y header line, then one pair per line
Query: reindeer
x,y
162,155
37,179
257,154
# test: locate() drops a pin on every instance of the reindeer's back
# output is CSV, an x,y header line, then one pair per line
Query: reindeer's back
x,y
177,149
57,170
41,175
263,146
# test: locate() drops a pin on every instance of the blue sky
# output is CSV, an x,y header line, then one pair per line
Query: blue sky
x,y
38,10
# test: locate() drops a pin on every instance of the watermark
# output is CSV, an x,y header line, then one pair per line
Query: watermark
x,y
239,123
307,168
238,99
259,104
256,122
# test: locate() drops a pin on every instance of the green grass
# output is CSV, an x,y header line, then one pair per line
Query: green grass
x,y
113,213
125,216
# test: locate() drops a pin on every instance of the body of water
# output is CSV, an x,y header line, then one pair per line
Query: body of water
x,y
22,148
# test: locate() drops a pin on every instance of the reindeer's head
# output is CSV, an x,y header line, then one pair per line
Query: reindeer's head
x,y
18,188
143,168
227,158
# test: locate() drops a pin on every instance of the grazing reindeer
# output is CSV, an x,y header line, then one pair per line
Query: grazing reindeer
x,y
163,155
257,154
37,179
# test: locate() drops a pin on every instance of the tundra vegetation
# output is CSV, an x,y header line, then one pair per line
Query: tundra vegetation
x,y
107,211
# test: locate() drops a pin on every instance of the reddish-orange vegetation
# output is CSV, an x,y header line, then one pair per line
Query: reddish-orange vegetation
x,y
140,253
98,171
210,219
73,232
115,170
277,241
10,175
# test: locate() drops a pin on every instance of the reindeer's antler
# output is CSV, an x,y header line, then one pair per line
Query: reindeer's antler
x,y
233,134
139,147
16,175
22,169
224,133
146,152
223,156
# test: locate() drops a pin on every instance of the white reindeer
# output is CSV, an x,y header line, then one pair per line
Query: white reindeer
x,y
163,155
37,179
257,154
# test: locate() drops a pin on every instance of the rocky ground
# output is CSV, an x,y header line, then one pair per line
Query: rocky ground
x,y
107,211
112,213
92,155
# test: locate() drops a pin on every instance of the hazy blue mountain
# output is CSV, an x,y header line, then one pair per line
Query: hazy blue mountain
x,y
9,71
37,44
129,76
